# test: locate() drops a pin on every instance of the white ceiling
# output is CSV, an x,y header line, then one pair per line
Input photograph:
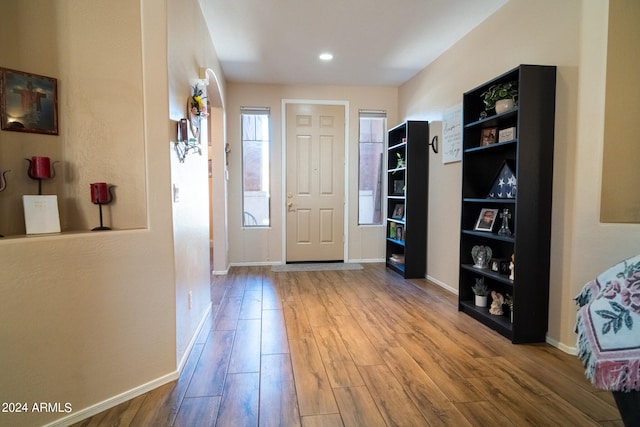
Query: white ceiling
x,y
374,42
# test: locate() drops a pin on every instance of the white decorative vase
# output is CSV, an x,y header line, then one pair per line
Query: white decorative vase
x,y
481,300
504,105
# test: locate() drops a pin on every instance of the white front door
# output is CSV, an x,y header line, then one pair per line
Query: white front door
x,y
314,200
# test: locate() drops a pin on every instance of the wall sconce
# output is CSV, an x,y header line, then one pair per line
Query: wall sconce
x,y
184,144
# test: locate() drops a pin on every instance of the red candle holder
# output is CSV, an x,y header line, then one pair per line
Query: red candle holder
x,y
41,168
101,194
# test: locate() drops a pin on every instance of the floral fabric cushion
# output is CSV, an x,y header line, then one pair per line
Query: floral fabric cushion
x,y
608,327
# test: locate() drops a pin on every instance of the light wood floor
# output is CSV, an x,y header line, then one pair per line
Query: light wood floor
x,y
360,348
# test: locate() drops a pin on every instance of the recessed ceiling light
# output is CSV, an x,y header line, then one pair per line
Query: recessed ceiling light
x,y
326,56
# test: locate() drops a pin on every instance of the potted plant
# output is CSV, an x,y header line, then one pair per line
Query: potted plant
x,y
500,96
481,292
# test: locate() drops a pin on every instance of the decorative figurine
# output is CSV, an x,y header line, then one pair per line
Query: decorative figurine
x,y
101,194
496,303
481,256
512,266
504,230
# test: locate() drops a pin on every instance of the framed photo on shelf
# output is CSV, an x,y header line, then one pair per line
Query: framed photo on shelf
x,y
486,219
399,232
28,102
488,136
398,186
398,211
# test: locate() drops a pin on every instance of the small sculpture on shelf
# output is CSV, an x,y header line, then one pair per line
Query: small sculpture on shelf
x,y
41,168
508,301
512,267
101,194
504,229
497,300
481,256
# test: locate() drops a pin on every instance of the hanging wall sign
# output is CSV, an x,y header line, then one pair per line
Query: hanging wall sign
x,y
452,134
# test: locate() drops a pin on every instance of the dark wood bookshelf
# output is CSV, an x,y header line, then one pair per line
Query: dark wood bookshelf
x,y
410,140
531,152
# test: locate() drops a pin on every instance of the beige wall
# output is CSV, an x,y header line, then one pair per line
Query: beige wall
x,y
574,39
265,245
95,318
188,54
91,130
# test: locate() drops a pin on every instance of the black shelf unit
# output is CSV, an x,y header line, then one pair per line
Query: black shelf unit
x,y
408,186
530,152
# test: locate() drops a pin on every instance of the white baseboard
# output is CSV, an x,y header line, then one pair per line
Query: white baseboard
x,y
254,264
562,347
182,362
114,401
442,285
137,391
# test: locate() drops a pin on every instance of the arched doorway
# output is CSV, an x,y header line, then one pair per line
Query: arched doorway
x,y
216,142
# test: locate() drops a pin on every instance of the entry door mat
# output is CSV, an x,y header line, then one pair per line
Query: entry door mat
x,y
316,266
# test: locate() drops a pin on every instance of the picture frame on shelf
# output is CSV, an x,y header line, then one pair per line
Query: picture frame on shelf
x,y
28,102
398,187
398,211
488,136
507,134
486,219
400,232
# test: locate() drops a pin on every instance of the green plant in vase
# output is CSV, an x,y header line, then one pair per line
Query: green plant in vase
x,y
501,96
481,291
400,162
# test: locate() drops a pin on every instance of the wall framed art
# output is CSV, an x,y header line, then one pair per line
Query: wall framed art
x,y
28,102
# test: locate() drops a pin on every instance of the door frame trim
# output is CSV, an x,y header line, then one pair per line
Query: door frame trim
x,y
345,231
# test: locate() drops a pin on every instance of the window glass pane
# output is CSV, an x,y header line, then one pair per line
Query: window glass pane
x,y
371,152
255,168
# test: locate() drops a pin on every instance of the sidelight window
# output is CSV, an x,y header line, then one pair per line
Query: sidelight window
x,y
370,177
255,167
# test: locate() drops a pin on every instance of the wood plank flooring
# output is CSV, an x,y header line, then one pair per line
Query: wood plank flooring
x,y
359,348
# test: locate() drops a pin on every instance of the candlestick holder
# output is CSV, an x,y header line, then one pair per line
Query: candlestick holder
x,y
3,184
41,168
101,194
